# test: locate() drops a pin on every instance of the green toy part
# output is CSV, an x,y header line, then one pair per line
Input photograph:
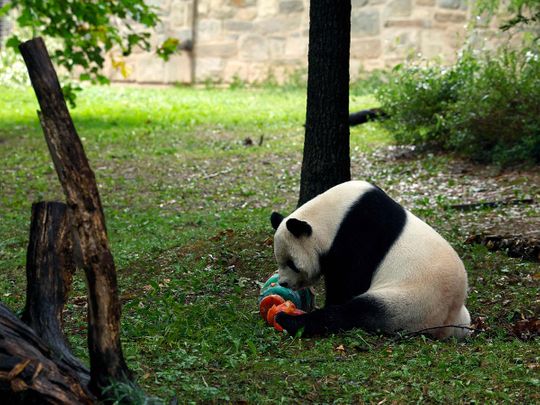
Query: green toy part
x,y
303,299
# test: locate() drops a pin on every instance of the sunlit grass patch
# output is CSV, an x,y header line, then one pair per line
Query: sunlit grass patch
x,y
187,200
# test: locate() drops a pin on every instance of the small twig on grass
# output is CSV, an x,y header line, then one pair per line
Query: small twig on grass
x,y
491,204
209,176
422,331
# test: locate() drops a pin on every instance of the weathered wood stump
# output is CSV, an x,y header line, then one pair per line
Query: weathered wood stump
x,y
30,372
36,364
49,273
107,363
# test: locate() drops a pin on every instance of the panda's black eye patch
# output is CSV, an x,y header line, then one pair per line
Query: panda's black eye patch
x,y
291,265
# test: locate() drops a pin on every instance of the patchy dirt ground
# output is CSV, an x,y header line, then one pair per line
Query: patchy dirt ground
x,y
498,208
187,214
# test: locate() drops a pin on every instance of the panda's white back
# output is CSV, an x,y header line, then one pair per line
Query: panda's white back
x,y
419,254
421,277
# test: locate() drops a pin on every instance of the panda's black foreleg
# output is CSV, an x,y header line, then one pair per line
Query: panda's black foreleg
x,y
362,312
318,322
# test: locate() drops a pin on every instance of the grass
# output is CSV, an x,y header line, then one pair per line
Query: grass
x,y
187,206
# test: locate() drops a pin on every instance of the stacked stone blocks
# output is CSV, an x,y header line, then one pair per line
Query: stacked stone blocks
x,y
253,40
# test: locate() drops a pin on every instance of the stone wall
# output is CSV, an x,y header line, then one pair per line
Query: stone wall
x,y
4,26
255,39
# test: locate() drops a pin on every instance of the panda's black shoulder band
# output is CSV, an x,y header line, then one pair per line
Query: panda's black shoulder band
x,y
366,234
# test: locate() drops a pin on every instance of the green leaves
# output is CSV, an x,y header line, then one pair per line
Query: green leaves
x,y
13,42
69,92
168,48
89,31
520,19
5,9
523,12
484,107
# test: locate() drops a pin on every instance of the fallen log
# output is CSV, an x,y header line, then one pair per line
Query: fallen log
x,y
107,364
519,246
361,117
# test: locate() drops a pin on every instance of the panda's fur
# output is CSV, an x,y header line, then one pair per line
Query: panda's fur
x,y
384,269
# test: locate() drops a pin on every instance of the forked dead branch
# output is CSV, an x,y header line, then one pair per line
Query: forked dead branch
x,y
36,362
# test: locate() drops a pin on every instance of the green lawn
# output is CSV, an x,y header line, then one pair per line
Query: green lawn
x,y
187,206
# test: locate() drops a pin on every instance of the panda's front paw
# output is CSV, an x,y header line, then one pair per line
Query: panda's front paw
x,y
293,324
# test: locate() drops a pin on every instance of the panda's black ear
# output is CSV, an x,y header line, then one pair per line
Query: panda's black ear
x,y
299,228
276,218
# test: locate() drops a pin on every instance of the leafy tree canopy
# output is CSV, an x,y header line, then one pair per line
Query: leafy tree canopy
x,y
87,30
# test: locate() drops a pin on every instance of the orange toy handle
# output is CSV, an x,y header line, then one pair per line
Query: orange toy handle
x,y
268,302
288,307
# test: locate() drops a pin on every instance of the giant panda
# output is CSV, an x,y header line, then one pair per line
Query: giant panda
x,y
384,269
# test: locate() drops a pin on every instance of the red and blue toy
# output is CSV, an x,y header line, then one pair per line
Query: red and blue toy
x,y
275,298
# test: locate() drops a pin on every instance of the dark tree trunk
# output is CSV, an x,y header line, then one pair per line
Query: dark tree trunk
x,y
326,159
49,273
30,373
106,359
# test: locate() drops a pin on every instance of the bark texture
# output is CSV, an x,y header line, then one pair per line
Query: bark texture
x,y
30,373
78,181
49,274
326,160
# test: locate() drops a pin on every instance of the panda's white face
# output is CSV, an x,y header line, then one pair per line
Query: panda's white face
x,y
297,259
306,234
296,254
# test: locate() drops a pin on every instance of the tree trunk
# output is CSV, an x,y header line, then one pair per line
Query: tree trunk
x,y
49,273
30,373
326,159
106,359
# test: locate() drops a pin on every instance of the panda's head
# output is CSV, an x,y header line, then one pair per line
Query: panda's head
x,y
295,249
